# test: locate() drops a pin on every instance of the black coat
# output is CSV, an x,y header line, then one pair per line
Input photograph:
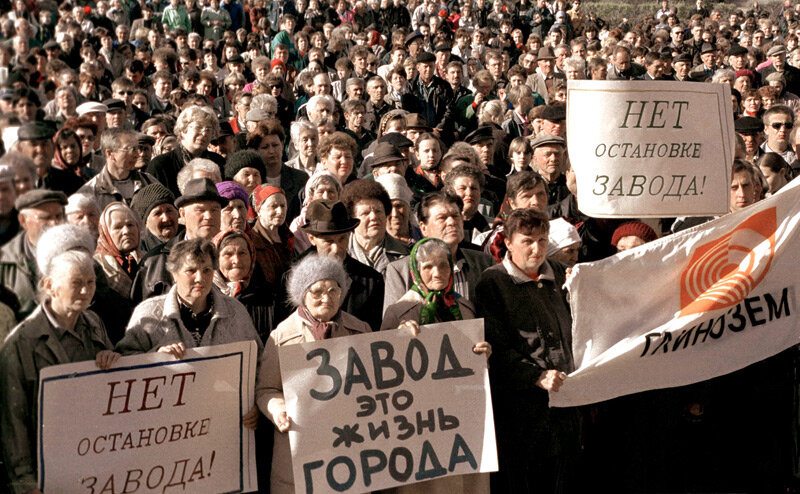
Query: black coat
x,y
152,278
165,167
63,180
436,104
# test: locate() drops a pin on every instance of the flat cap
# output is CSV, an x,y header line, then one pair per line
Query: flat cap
x,y
426,57
35,131
707,48
554,113
416,121
775,77
144,139
442,47
397,139
547,140
748,125
235,59
37,197
482,133
51,45
683,57
225,129
90,107
114,104
737,49
776,50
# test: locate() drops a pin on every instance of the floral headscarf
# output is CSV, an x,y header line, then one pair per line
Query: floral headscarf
x,y
105,245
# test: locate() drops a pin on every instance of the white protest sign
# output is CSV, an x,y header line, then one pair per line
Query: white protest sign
x,y
650,148
383,409
688,307
150,423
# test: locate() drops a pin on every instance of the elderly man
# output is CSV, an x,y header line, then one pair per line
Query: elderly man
x,y
752,131
528,324
542,81
154,205
777,55
549,161
329,228
434,94
439,215
196,127
200,208
120,179
622,68
36,142
38,210
778,125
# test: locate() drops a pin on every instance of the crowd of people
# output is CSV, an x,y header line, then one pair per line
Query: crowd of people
x,y
185,174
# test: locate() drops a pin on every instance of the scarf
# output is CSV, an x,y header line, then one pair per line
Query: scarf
x,y
58,159
105,245
320,330
441,305
226,286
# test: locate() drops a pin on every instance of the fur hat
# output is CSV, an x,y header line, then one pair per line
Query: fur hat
x,y
311,269
60,239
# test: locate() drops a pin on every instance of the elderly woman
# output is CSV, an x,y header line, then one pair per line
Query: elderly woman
x,y
198,168
401,222
271,236
632,234
236,277
61,330
234,215
317,286
322,185
69,154
118,246
305,139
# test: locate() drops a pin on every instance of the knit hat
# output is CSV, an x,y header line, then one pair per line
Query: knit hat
x,y
635,229
396,187
245,159
262,193
232,190
275,62
562,234
150,197
311,269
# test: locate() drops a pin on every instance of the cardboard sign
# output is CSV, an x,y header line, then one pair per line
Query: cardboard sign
x,y
384,409
650,148
150,423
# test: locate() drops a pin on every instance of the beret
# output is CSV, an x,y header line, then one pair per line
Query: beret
x,y
737,49
426,57
554,113
748,125
635,229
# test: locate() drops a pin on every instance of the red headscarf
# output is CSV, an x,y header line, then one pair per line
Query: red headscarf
x,y
58,160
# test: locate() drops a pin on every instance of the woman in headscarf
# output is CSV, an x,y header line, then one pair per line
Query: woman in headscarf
x,y
69,155
317,286
432,299
118,246
236,277
273,241
323,185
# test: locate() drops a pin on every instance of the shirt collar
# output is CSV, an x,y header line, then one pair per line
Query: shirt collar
x,y
519,276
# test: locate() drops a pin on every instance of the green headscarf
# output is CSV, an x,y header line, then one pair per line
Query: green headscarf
x,y
438,303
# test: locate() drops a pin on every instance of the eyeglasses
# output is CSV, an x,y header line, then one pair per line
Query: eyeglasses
x,y
200,128
778,125
126,93
332,292
128,149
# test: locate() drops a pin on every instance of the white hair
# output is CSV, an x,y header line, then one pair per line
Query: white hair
x,y
81,202
299,126
198,165
266,102
320,99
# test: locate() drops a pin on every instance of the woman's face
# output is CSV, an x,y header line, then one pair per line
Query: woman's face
x,y
325,192
193,279
775,180
469,190
435,271
235,260
234,215
429,154
249,178
322,299
70,288
742,84
70,151
124,231
307,144
752,104
373,219
273,212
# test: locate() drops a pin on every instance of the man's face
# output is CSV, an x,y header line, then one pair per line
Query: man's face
x,y
202,219
376,91
40,151
495,66
425,71
36,220
123,158
681,69
485,150
707,58
549,159
779,131
528,251
622,61
752,141
743,192
600,73
535,198
445,223
331,245
8,194
546,66
656,69
162,221
115,118
355,91
322,85
677,36
556,128
778,61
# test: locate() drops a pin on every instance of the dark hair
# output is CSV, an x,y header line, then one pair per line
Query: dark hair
x,y
526,221
463,171
774,162
431,199
521,181
363,190
194,249
740,166
268,127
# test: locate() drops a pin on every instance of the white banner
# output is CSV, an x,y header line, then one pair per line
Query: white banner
x,y
384,409
689,307
150,423
650,149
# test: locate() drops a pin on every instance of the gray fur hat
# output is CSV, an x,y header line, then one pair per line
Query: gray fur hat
x,y
59,239
311,269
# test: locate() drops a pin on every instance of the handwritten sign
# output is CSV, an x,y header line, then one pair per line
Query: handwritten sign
x,y
384,409
650,149
150,423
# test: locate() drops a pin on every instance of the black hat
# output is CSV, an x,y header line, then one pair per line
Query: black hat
x,y
149,197
397,139
225,129
683,57
737,49
326,219
114,104
417,121
748,125
200,189
235,59
482,133
546,53
37,197
554,113
144,139
35,131
385,153
442,47
411,37
246,158
426,57
707,48
51,45
547,140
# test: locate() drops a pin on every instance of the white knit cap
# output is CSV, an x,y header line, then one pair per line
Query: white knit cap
x,y
396,187
10,136
91,107
562,234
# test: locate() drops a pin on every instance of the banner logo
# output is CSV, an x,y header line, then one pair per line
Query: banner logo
x,y
723,271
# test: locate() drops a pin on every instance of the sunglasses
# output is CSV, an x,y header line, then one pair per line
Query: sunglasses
x,y
778,125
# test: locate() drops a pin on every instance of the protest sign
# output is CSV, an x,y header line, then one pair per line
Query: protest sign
x,y
650,148
689,307
150,423
384,409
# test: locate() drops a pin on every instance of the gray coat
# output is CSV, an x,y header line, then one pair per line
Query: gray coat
x,y
157,322
102,188
18,273
32,346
